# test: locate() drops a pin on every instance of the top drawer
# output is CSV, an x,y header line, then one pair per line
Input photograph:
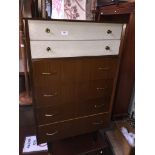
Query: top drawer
x,y
62,30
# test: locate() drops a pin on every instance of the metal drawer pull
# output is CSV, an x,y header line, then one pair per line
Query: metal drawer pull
x,y
103,68
50,95
109,31
97,123
107,48
48,115
98,106
100,88
52,134
48,73
47,30
48,49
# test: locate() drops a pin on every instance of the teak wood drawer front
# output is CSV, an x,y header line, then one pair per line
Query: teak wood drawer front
x,y
103,68
54,131
101,88
51,95
46,115
46,73
72,127
61,30
45,96
95,89
58,49
93,106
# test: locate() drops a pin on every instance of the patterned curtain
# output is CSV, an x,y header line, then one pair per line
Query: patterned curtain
x,y
72,9
75,9
58,9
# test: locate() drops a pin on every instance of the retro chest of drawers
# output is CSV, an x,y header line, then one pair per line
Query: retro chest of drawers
x,y
73,68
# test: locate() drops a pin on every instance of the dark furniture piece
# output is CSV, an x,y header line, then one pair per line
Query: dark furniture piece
x,y
123,12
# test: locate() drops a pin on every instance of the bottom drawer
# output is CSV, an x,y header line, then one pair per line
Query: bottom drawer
x,y
72,127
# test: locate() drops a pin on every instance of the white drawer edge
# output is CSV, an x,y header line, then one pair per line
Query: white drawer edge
x,y
73,48
62,30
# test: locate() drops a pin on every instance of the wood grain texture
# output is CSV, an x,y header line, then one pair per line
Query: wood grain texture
x,y
72,79
72,127
121,8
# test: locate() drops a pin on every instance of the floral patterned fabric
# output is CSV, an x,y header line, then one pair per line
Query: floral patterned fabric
x,y
57,9
73,9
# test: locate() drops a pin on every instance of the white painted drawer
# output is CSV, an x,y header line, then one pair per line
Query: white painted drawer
x,y
61,30
73,48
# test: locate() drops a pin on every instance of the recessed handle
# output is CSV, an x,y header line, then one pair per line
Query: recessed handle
x,y
48,49
109,31
100,88
47,30
51,134
50,95
103,68
48,73
97,123
98,106
49,115
44,73
107,48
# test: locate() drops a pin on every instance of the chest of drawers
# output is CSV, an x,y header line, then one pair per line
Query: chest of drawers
x,y
73,70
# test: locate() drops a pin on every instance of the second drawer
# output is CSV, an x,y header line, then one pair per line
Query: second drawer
x,y
57,49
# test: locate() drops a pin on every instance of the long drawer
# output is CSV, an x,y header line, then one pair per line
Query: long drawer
x,y
58,49
61,30
51,72
72,127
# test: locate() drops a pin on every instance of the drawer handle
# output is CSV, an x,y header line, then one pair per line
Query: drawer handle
x,y
49,115
97,123
52,134
109,31
107,48
46,73
48,49
100,88
50,95
103,68
47,30
98,106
